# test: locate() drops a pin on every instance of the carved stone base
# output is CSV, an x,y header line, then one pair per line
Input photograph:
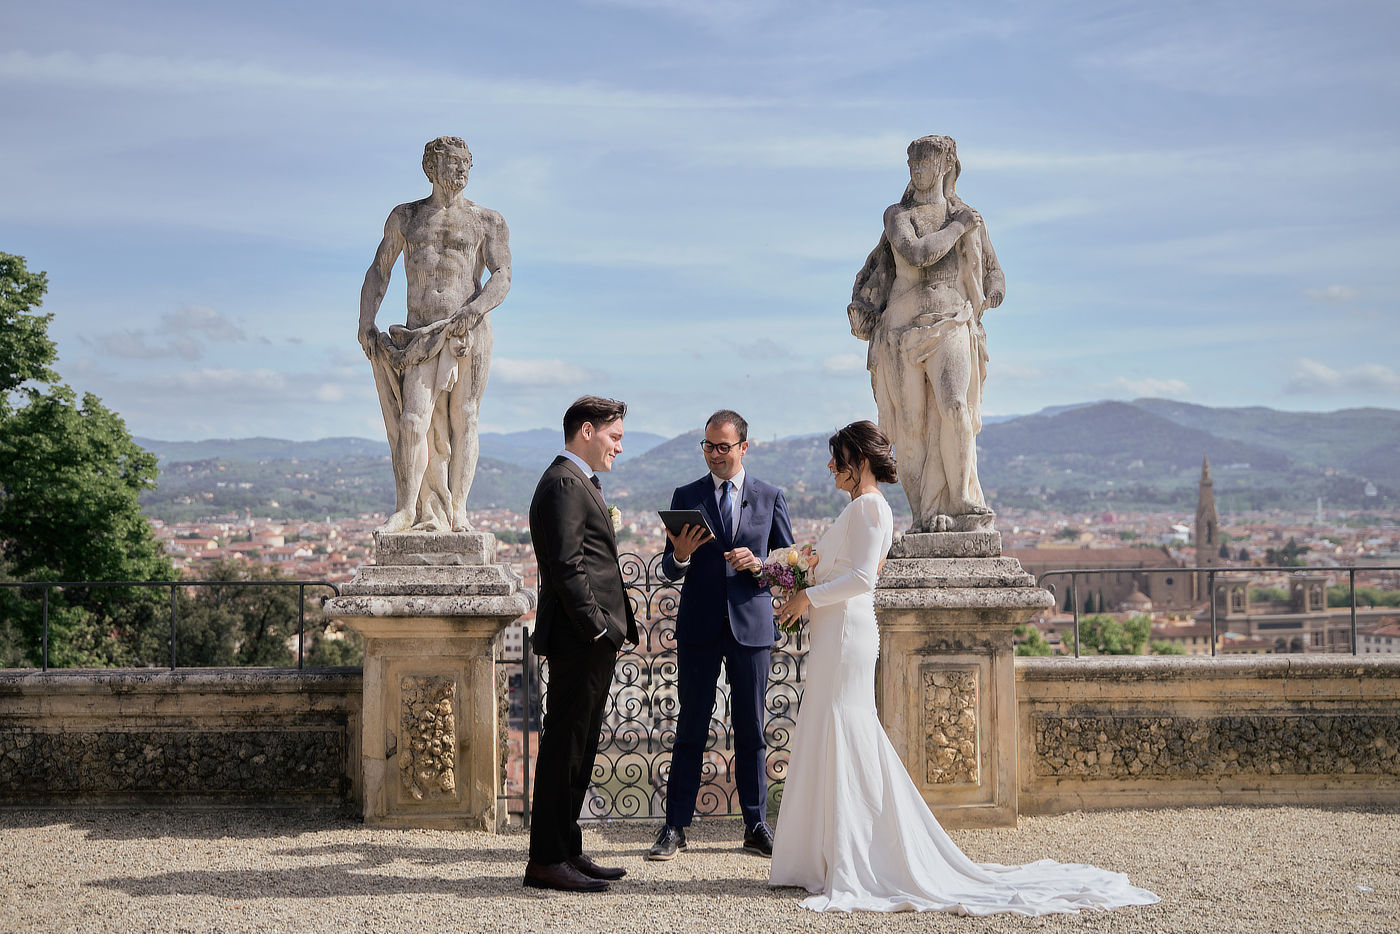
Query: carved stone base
x,y
432,613
947,605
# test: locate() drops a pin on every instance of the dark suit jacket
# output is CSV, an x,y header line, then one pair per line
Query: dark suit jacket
x,y
713,589
581,589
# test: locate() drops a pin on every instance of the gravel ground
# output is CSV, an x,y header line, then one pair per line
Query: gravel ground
x,y
1216,869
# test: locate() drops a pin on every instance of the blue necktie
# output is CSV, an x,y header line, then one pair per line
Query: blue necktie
x,y
726,511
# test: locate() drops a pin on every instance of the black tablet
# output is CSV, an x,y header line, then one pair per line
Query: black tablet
x,y
676,519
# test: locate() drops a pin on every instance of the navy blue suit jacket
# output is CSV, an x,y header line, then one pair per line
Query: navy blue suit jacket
x,y
711,587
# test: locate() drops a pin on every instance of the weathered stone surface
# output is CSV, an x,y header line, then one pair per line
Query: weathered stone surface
x,y
200,736
959,598
946,679
1156,732
511,606
1202,747
428,750
434,548
432,612
919,301
252,764
442,580
901,573
431,373
950,725
947,545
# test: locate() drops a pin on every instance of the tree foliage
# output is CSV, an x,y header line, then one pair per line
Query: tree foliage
x,y
1289,556
70,476
1103,635
25,349
1031,642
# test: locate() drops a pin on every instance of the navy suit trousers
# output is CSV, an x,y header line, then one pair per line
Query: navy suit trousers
x,y
697,673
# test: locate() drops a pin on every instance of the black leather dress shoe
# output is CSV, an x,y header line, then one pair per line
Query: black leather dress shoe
x,y
560,876
758,839
667,843
592,870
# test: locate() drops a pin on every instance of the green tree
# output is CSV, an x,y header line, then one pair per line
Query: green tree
x,y
1289,556
1100,634
25,349
231,624
70,476
1164,647
1340,595
1031,642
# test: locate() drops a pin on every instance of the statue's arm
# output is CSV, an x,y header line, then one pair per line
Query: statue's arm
x,y
377,277
993,279
925,250
495,250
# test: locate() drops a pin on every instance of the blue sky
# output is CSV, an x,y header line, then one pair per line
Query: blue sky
x,y
1190,200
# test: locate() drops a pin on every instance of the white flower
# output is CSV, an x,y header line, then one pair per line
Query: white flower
x,y
615,515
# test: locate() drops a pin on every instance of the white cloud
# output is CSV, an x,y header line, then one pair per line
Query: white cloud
x,y
179,335
133,345
1332,295
844,363
1148,386
513,372
1312,377
330,392
201,320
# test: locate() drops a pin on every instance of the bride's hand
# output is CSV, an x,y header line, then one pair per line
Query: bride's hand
x,y
794,607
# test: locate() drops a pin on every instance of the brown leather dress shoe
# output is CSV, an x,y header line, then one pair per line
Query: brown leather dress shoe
x,y
592,870
560,876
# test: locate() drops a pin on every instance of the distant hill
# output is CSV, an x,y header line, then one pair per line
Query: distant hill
x,y
536,447
1102,455
525,448
263,449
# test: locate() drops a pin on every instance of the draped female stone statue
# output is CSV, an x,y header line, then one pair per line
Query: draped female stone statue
x,y
919,301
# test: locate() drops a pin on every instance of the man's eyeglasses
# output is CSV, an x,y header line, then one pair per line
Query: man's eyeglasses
x,y
724,447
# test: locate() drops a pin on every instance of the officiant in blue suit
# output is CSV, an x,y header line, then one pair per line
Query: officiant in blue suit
x,y
724,616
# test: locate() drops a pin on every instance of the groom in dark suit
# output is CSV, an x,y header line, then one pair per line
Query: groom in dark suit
x,y
583,618
724,616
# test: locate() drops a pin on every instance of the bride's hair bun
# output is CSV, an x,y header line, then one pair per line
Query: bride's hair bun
x,y
863,441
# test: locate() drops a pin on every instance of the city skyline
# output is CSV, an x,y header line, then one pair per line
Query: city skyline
x,y
1185,200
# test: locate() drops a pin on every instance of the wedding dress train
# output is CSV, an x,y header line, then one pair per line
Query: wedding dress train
x,y
853,829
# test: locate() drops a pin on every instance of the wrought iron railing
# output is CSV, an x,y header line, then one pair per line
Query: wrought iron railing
x,y
174,587
1211,573
639,725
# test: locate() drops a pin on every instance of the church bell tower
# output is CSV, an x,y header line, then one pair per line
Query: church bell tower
x,y
1207,522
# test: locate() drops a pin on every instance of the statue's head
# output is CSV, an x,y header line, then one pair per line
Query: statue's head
x,y
932,158
447,161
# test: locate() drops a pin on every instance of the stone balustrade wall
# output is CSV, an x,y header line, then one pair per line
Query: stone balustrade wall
x,y
1180,731
194,736
1093,733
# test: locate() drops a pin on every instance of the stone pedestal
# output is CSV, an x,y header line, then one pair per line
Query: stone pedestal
x,y
431,612
947,604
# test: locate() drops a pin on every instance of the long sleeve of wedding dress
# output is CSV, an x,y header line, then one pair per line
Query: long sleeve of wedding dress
x,y
853,829
853,569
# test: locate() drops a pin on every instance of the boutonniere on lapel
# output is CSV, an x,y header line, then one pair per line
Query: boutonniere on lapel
x,y
615,515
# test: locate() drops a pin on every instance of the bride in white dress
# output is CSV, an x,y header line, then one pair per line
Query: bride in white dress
x,y
853,829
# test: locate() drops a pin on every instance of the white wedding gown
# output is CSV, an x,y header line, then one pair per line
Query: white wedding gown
x,y
853,828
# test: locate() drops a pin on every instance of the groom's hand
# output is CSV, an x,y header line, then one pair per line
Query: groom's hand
x,y
691,538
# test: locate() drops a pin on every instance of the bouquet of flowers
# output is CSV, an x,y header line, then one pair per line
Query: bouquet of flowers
x,y
788,570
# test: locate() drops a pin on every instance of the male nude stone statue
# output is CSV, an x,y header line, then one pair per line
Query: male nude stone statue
x,y
919,302
431,373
